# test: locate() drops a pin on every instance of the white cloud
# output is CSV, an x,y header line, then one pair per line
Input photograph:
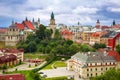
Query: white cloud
x,y
85,10
113,9
66,11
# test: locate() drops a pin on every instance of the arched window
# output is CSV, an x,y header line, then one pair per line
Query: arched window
x,y
91,74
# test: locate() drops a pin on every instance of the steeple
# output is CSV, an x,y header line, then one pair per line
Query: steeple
x,y
39,20
12,21
26,19
98,21
33,20
52,15
78,23
98,24
114,23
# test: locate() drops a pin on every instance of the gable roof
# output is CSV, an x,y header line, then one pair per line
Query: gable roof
x,y
19,25
29,25
114,54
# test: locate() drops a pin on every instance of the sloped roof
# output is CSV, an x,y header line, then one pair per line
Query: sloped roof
x,y
107,34
12,77
93,57
7,58
114,54
19,25
29,25
66,32
3,30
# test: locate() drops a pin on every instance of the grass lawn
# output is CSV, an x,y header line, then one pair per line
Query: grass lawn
x,y
26,73
60,64
33,56
57,78
55,64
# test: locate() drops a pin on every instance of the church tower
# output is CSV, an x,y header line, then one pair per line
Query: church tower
x,y
98,24
52,21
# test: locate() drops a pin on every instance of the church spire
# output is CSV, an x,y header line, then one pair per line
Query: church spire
x,y
98,21
26,19
33,20
12,21
39,20
52,15
114,23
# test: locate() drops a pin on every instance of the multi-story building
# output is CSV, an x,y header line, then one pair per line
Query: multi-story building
x,y
18,53
52,24
18,32
13,35
66,34
114,39
2,34
8,60
91,64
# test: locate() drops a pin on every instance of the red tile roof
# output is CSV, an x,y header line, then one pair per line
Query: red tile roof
x,y
66,32
116,26
114,54
19,25
3,30
98,34
12,77
7,58
29,25
11,50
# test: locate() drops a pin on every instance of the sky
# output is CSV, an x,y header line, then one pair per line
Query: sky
x,y
67,12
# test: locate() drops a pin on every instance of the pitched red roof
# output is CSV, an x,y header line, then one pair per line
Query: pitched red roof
x,y
19,25
116,26
11,50
29,25
12,77
3,30
7,58
114,54
66,32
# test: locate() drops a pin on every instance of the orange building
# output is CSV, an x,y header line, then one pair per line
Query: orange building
x,y
96,37
66,34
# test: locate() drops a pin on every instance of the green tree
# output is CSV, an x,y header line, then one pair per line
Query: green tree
x,y
118,48
48,34
99,45
73,49
31,47
69,42
40,32
4,68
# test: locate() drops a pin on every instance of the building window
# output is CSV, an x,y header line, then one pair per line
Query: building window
x,y
96,69
101,69
91,69
87,69
96,74
106,68
91,75
90,64
106,63
96,64
87,75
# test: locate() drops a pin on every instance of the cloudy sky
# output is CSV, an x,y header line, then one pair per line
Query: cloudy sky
x,y
68,12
